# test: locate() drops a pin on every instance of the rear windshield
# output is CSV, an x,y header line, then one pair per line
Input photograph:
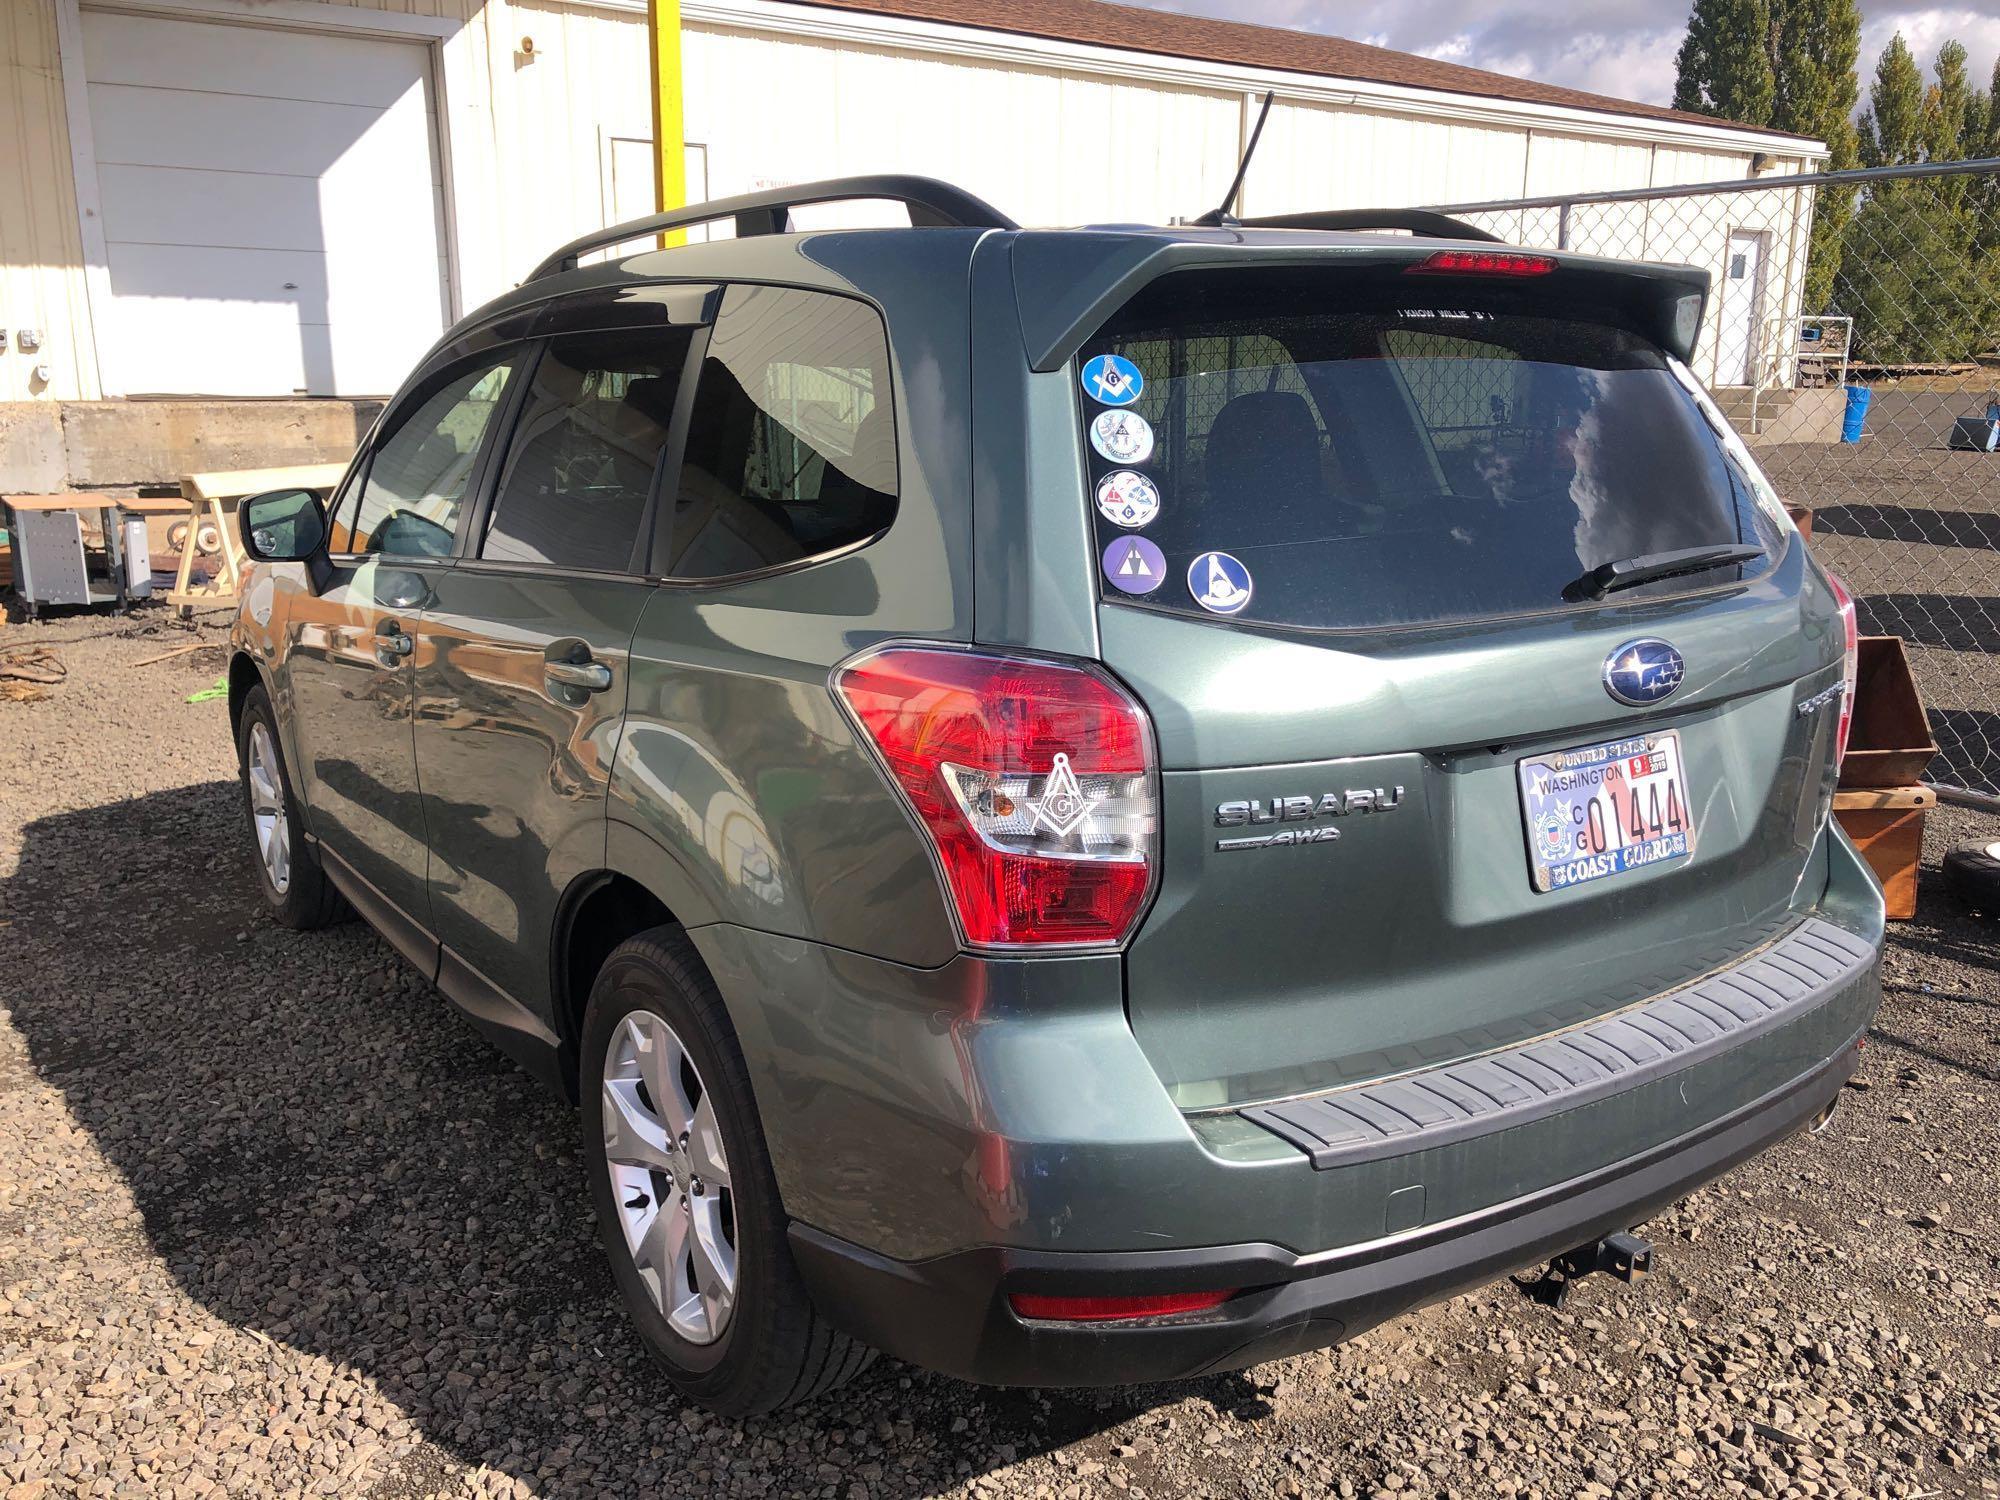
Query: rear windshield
x,y
1405,460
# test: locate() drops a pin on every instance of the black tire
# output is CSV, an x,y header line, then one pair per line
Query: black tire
x,y
309,900
1972,871
775,1350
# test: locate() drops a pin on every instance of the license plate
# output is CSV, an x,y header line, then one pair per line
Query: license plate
x,y
1601,810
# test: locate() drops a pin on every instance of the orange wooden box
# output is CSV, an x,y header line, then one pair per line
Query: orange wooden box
x,y
1890,743
1887,826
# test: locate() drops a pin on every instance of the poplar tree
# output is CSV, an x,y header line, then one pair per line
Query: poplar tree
x,y
1946,105
1892,130
1982,138
1815,47
1724,65
1947,120
1912,274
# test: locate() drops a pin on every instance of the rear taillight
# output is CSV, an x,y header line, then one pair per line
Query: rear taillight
x,y
1850,664
1034,780
1112,1309
1483,263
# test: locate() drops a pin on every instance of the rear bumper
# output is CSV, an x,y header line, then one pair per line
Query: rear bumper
x,y
944,1137
950,1313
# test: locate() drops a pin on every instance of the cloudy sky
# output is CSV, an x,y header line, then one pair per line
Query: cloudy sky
x,y
1626,50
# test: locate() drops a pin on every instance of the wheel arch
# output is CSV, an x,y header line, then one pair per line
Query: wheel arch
x,y
641,884
244,674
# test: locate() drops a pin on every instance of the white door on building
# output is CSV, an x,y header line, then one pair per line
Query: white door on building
x,y
271,208
1742,296
625,160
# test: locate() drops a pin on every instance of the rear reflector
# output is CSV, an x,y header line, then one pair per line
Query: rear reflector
x,y
1484,263
1111,1309
1850,664
1034,780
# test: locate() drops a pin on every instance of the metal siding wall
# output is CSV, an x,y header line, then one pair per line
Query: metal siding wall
x,y
1047,146
524,132
1323,156
1578,164
525,166
41,248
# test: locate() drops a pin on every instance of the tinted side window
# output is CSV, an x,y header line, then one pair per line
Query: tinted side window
x,y
584,459
792,448
417,479
340,515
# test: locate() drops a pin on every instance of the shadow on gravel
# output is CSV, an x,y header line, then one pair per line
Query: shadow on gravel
x,y
1904,523
325,1154
1880,1036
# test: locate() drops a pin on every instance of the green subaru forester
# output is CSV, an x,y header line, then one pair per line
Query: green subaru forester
x,y
1078,805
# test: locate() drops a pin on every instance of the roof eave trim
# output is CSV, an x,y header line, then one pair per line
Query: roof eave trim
x,y
807,19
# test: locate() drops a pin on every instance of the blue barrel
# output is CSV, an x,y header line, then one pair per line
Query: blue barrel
x,y
1856,415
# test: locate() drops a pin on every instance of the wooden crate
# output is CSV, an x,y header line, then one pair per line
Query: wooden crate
x,y
1890,743
1887,826
213,499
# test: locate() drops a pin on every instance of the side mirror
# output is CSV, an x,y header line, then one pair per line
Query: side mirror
x,y
283,525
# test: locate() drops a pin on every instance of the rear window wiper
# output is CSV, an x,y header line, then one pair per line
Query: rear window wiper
x,y
1630,572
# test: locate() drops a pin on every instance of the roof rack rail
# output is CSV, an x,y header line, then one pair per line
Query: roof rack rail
x,y
932,204
1418,221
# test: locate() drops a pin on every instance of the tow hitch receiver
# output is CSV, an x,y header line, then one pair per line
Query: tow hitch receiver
x,y
1625,1256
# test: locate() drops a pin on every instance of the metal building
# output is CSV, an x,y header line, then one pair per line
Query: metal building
x,y
210,209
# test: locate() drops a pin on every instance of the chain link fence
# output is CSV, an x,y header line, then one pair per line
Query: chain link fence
x,y
1879,286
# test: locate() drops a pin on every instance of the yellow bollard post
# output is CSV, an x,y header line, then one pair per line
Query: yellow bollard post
x,y
663,39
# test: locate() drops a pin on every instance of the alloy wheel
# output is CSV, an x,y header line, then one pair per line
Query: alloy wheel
x,y
670,1177
267,809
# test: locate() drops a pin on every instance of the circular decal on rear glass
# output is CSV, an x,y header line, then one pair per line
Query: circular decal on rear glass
x,y
1124,437
1113,379
1128,499
1220,584
1135,565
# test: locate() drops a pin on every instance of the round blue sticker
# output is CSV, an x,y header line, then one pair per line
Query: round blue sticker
x,y
1135,565
1112,379
1220,584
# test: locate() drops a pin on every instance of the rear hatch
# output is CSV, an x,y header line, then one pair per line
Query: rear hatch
x,y
1426,790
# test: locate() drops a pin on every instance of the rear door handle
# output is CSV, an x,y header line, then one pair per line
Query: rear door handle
x,y
393,642
588,676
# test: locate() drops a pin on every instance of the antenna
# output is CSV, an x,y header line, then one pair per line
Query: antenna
x,y
1225,214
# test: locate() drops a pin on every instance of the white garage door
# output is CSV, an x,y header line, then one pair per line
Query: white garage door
x,y
271,208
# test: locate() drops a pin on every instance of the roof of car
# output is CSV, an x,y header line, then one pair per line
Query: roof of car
x,y
1079,275
932,204
1167,33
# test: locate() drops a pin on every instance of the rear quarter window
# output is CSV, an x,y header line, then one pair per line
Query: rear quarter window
x,y
791,450
1407,458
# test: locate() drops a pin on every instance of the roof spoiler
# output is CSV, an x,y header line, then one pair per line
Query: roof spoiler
x,y
1080,278
932,204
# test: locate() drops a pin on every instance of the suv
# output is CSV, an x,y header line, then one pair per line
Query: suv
x,y
1078,806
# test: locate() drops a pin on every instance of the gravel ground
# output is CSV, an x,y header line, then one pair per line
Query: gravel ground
x,y
273,1221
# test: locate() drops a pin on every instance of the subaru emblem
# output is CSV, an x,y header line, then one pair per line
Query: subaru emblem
x,y
1643,671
